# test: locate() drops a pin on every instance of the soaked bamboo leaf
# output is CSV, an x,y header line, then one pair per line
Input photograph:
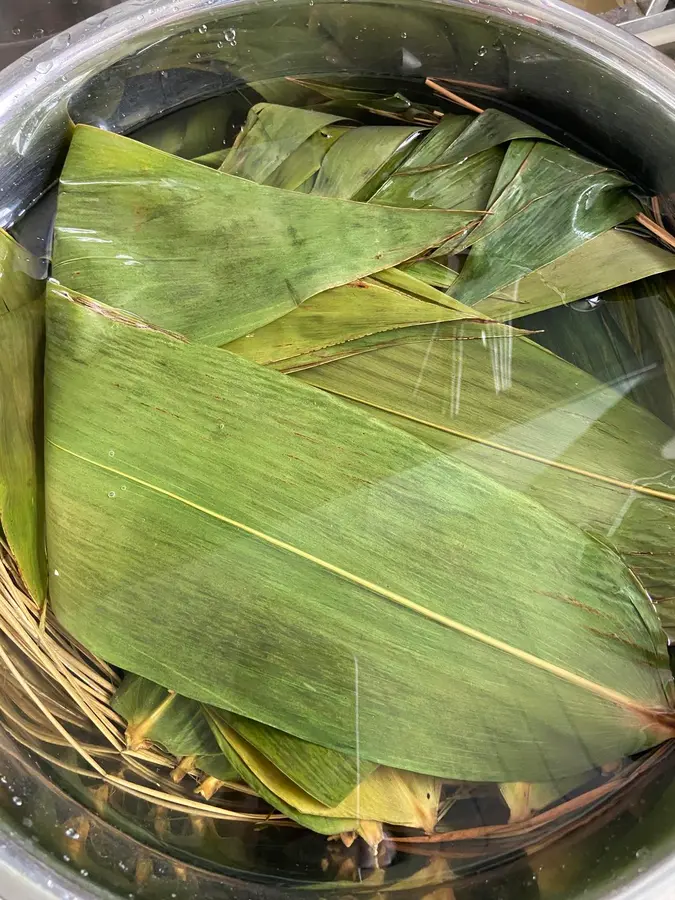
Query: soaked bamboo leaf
x,y
307,159
384,795
154,248
525,798
432,271
605,262
442,331
271,134
540,425
645,312
21,345
193,131
346,97
154,714
363,158
325,775
271,784
339,315
329,553
578,200
458,163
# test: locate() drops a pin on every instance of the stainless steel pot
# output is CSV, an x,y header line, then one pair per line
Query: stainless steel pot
x,y
604,91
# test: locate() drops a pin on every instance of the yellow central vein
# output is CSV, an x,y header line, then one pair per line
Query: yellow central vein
x,y
606,479
398,599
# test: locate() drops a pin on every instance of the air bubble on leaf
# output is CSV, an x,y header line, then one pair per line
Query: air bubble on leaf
x,y
230,35
482,50
112,494
203,29
587,304
39,33
16,32
44,66
72,834
111,453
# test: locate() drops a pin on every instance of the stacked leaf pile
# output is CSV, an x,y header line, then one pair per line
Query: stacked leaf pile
x,y
313,482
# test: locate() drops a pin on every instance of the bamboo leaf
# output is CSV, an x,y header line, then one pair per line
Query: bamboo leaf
x,y
525,798
580,200
21,345
193,131
325,775
329,553
271,784
534,422
363,158
154,714
385,795
442,331
457,164
154,247
271,134
306,160
605,262
340,315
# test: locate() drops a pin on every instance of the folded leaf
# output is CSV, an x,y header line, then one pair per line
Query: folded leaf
x,y
362,159
154,714
327,556
21,345
325,775
605,262
533,422
306,161
339,315
525,798
556,202
385,795
273,786
457,165
270,136
174,229
441,331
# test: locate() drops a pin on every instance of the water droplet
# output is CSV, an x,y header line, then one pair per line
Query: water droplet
x,y
56,573
17,801
39,33
61,41
44,66
404,34
66,858
72,834
198,56
84,873
64,78
111,453
203,29
112,494
230,35
221,425
16,31
124,487
75,2
488,20
482,50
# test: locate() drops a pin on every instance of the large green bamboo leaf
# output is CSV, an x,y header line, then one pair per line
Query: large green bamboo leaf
x,y
174,229
372,645
21,345
341,314
532,421
271,134
576,198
